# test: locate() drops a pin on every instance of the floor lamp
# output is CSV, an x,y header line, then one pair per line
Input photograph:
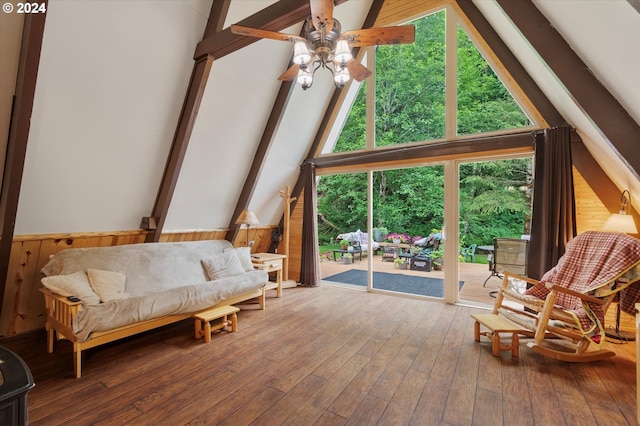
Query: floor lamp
x,y
247,217
623,223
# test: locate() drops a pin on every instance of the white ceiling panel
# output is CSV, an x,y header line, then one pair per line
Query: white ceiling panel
x,y
605,35
235,107
110,87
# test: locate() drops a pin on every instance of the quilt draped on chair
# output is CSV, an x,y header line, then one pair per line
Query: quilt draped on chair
x,y
599,262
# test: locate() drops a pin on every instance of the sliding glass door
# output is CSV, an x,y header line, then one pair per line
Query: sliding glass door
x,y
407,222
495,201
424,231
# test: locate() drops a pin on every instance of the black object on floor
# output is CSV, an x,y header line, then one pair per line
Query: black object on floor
x,y
412,284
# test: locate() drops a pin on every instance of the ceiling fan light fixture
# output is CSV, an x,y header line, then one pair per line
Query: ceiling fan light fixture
x,y
301,53
343,53
341,76
305,77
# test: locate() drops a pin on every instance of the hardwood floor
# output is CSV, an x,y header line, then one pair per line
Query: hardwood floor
x,y
326,355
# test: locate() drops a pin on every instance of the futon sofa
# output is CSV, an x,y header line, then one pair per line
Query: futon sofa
x,y
122,290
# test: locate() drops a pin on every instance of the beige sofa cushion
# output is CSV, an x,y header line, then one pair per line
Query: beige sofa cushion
x,y
223,265
76,284
108,285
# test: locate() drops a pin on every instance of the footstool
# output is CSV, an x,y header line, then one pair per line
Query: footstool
x,y
203,321
496,325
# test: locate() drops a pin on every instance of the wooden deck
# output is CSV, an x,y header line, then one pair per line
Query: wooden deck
x,y
330,356
473,275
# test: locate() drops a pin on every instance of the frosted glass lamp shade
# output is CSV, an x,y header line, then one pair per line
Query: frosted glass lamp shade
x,y
341,76
301,53
305,78
343,53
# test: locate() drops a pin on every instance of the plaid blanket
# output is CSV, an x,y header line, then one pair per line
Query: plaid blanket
x,y
595,263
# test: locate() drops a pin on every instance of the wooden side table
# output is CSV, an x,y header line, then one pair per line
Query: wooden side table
x,y
270,262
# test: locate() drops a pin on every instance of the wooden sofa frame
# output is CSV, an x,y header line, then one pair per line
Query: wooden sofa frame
x,y
60,313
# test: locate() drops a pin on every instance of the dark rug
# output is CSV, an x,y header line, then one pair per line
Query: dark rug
x,y
412,284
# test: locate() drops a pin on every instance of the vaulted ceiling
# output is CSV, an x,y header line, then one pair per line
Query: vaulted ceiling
x,y
125,88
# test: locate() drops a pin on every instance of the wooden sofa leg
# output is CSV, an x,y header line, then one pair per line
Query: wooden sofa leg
x,y
262,299
234,322
77,358
50,337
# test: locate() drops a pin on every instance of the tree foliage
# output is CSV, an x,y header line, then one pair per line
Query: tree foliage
x,y
410,107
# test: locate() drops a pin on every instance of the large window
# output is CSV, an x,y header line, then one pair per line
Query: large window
x,y
440,88
411,101
410,86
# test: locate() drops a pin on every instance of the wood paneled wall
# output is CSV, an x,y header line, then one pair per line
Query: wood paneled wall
x,y
295,240
23,305
591,213
401,11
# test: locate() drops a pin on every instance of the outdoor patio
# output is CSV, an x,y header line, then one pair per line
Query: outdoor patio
x,y
472,274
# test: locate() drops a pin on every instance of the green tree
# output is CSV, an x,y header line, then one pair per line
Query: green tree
x,y
495,200
409,107
484,103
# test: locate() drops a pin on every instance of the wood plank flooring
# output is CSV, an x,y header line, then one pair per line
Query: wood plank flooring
x,y
325,356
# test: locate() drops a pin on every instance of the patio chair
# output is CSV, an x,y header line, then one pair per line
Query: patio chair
x,y
509,255
469,252
570,300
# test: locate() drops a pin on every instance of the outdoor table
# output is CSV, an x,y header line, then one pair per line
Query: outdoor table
x,y
352,251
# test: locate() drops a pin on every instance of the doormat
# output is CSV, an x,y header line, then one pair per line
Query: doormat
x,y
412,284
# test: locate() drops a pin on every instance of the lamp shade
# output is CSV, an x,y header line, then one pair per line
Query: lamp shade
x,y
247,217
343,53
620,223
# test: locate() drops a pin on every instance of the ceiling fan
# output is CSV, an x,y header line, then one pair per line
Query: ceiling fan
x,y
326,46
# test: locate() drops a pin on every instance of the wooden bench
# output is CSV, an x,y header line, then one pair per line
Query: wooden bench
x,y
203,321
496,325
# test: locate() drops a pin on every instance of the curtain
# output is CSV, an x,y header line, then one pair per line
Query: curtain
x,y
310,268
553,221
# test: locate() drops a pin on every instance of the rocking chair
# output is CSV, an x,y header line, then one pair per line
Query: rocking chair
x,y
570,300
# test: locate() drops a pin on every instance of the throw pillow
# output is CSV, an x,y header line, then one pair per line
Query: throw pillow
x,y
108,285
244,256
223,265
76,284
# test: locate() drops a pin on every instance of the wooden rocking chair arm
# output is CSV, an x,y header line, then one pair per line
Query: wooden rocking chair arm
x,y
584,297
520,277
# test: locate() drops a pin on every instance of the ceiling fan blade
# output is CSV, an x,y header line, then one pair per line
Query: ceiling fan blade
x,y
322,14
357,71
404,34
255,32
290,74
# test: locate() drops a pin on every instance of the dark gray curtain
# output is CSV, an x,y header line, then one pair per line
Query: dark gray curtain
x,y
310,268
553,221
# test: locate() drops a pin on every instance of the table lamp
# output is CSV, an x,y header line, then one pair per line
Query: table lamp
x,y
247,217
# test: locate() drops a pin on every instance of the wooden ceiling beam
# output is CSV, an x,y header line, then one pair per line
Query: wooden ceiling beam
x,y
250,183
19,127
217,16
522,140
276,17
591,96
186,121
